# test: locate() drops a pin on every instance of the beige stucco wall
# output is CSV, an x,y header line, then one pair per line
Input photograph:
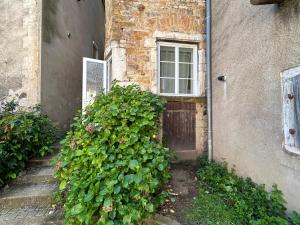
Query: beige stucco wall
x,y
20,22
61,82
252,45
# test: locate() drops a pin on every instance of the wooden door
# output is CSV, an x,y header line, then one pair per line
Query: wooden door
x,y
179,126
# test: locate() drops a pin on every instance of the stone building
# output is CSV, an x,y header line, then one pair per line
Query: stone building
x,y
160,46
156,44
42,43
255,111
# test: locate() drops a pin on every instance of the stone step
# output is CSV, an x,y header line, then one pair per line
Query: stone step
x,y
24,195
36,175
31,216
45,161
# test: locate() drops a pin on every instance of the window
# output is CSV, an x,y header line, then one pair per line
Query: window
x,y
94,79
177,69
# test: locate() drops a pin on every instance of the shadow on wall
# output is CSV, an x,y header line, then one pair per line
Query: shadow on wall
x,y
49,20
288,7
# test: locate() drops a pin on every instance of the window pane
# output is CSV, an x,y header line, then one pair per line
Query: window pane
x,y
186,55
94,81
185,70
94,76
167,54
167,69
185,86
167,85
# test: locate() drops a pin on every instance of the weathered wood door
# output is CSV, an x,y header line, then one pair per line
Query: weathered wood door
x,y
179,123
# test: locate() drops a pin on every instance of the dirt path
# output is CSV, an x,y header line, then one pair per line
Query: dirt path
x,y
184,187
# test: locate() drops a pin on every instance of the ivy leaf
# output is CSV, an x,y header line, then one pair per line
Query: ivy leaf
x,y
107,202
133,164
12,175
161,167
117,189
138,178
89,196
77,209
127,219
129,178
108,205
150,207
62,185
112,215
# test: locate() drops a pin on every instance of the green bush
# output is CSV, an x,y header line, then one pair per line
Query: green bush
x,y
294,218
112,168
22,135
246,202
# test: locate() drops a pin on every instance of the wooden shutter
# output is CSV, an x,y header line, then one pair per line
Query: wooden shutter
x,y
291,109
94,79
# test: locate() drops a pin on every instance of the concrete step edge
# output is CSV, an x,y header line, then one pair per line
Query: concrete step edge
x,y
24,195
40,162
25,201
46,160
34,179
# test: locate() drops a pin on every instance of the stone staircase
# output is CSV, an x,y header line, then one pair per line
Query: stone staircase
x,y
28,199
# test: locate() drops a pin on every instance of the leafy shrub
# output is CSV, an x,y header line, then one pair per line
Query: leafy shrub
x,y
247,202
22,135
294,218
270,220
111,168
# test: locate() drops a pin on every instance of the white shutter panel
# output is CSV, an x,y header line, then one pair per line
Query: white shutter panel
x,y
94,79
291,109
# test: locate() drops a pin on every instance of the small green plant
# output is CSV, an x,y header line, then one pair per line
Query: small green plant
x,y
241,201
111,168
22,136
8,106
294,218
209,209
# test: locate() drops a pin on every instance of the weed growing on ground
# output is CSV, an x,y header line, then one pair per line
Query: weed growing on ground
x,y
225,198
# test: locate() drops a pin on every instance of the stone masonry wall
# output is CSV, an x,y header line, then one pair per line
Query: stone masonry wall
x,y
133,28
20,50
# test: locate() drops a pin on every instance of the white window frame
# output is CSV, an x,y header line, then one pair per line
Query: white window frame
x,y
84,77
288,111
195,77
109,73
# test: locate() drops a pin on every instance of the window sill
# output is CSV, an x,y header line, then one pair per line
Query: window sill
x,y
292,151
190,98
